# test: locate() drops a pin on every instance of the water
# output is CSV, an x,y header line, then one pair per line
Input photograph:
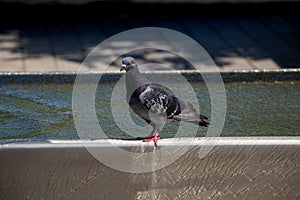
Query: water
x,y
44,111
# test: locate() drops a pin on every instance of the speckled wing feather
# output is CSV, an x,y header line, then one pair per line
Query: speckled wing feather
x,y
159,102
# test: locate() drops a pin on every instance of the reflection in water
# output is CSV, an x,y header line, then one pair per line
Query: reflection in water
x,y
44,111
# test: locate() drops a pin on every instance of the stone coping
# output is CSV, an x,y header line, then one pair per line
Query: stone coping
x,y
190,75
193,142
80,2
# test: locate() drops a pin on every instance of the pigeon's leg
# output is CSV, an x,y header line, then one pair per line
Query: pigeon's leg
x,y
154,136
153,132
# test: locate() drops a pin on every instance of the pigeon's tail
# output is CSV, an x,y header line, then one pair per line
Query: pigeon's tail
x,y
203,123
189,114
194,120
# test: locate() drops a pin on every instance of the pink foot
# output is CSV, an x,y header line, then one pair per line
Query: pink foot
x,y
153,138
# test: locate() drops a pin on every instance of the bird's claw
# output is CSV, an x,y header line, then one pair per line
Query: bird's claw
x,y
153,138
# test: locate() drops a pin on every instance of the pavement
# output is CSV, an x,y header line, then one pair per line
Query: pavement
x,y
57,38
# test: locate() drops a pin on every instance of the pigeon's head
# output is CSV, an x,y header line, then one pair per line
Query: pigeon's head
x,y
128,63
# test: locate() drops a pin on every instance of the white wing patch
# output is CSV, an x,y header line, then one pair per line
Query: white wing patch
x,y
144,95
154,101
173,113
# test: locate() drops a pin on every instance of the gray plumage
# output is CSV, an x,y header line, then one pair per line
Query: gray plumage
x,y
154,104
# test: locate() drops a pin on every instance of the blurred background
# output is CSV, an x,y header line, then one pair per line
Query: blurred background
x,y
56,35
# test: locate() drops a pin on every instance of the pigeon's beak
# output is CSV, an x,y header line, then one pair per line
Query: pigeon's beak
x,y
123,67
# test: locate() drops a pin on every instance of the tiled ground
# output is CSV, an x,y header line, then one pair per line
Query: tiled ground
x,y
235,42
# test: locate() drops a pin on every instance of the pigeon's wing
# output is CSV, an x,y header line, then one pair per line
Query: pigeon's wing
x,y
159,102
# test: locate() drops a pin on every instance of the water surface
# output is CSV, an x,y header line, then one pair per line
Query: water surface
x,y
44,111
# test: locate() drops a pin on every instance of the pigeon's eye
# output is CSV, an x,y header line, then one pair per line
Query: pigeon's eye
x,y
130,62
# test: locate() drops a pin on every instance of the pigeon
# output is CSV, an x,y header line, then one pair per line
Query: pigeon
x,y
154,104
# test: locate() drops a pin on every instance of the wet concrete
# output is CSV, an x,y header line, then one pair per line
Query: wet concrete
x,y
235,168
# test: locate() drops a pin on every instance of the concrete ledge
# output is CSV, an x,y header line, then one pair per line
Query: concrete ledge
x,y
78,2
103,143
235,168
190,75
